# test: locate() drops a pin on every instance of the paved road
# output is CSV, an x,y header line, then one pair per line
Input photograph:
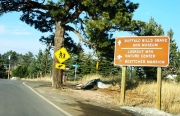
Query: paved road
x,y
75,106
18,100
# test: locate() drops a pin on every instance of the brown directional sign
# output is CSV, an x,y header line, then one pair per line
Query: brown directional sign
x,y
142,51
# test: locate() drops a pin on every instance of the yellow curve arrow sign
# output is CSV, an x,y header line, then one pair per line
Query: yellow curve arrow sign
x,y
60,66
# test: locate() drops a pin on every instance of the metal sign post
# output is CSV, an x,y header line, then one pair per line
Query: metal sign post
x,y
75,74
75,70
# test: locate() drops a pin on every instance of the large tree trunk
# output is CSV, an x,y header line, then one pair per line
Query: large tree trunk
x,y
58,43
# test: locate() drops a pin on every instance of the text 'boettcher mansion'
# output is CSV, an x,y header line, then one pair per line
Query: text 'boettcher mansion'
x,y
142,51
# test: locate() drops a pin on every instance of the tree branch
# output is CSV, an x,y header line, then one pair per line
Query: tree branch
x,y
80,37
72,17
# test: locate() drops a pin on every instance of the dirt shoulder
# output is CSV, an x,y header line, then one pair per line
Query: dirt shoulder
x,y
83,102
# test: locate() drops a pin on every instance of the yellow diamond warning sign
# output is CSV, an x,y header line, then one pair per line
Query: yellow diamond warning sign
x,y
62,55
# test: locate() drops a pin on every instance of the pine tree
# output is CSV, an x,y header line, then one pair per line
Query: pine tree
x,y
3,73
83,17
149,29
32,69
174,56
21,71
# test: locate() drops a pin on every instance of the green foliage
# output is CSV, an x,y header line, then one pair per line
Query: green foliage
x,y
148,29
140,72
85,62
174,57
41,63
90,20
153,29
88,67
14,57
20,71
32,69
34,64
107,68
178,79
3,73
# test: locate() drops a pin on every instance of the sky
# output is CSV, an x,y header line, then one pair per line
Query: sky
x,y
17,36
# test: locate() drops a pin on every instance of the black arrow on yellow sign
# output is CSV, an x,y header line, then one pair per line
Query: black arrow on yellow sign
x,y
60,66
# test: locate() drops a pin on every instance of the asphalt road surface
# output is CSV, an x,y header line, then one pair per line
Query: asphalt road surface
x,y
18,100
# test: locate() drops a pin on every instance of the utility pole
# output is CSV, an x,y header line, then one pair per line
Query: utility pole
x,y
9,68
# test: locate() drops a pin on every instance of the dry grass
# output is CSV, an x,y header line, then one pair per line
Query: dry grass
x,y
88,78
144,95
44,79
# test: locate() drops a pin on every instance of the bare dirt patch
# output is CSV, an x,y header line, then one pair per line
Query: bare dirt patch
x,y
143,96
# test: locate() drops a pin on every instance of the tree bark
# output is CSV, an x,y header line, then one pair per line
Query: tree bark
x,y
58,43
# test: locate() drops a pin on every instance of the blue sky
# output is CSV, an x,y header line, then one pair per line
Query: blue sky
x,y
17,36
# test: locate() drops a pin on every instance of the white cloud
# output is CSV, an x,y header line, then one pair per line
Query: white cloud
x,y
14,30
147,12
20,31
2,29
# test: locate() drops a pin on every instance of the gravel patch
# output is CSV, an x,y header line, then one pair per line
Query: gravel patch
x,y
147,111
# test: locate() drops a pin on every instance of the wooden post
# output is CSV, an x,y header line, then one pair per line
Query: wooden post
x,y
123,85
9,71
40,74
159,86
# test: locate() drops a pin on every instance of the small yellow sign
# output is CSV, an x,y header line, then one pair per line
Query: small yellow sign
x,y
97,65
60,66
62,55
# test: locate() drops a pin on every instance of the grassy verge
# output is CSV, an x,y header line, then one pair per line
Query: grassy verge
x,y
45,79
144,95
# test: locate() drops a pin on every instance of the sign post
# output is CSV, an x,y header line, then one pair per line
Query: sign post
x,y
151,51
159,86
75,70
123,85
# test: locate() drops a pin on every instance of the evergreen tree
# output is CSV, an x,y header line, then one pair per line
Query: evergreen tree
x,y
20,71
40,62
149,29
32,69
87,64
174,57
48,61
13,61
3,73
83,17
27,58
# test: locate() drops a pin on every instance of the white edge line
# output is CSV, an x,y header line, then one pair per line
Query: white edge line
x,y
48,101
